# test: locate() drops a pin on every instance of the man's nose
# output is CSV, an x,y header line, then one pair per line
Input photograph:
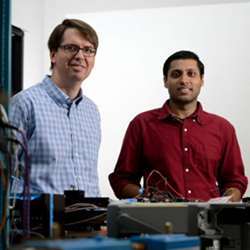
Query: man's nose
x,y
79,54
184,78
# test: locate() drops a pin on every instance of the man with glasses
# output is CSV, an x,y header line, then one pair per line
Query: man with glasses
x,y
181,151
61,124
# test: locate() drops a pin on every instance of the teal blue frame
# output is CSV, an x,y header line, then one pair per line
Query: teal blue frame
x,y
5,49
5,91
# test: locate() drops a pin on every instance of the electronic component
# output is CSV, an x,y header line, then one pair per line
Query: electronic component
x,y
225,225
46,210
128,218
84,213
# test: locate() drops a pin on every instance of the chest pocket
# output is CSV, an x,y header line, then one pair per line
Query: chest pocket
x,y
207,159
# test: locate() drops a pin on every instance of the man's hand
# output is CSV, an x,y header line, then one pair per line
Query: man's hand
x,y
234,193
130,191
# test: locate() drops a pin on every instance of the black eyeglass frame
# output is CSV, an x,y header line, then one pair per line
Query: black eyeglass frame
x,y
74,49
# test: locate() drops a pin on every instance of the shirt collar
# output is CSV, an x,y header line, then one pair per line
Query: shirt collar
x,y
58,95
199,115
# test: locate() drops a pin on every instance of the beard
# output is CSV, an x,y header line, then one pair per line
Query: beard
x,y
182,100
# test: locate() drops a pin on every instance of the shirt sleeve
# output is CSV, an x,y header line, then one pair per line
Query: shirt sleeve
x,y
232,168
20,113
129,165
20,116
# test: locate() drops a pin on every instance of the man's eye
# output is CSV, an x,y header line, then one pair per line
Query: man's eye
x,y
192,73
72,48
87,49
175,74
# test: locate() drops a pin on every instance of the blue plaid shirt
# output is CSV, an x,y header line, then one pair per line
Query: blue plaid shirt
x,y
63,139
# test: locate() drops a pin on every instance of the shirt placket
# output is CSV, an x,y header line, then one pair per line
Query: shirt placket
x,y
186,162
75,147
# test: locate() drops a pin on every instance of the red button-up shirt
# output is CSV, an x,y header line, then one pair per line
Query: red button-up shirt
x,y
198,156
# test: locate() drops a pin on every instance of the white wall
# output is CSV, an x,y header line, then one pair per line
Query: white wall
x,y
134,44
28,15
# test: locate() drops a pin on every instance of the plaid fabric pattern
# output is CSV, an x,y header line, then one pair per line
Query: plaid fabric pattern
x,y
63,138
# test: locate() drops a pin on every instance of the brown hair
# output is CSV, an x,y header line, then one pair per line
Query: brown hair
x,y
85,29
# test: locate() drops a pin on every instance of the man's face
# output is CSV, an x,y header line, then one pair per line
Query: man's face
x,y
183,81
69,66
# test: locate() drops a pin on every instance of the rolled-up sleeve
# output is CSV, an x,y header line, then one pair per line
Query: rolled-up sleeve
x,y
128,166
232,172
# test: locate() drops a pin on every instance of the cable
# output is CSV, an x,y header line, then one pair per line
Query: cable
x,y
93,218
4,174
156,194
79,206
26,185
4,180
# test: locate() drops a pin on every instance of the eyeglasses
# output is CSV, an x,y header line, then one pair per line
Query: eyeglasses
x,y
74,49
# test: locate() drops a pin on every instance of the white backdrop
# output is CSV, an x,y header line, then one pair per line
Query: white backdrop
x,y
134,44
133,47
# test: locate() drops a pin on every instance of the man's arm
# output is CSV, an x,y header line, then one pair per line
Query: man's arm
x,y
125,180
232,175
19,113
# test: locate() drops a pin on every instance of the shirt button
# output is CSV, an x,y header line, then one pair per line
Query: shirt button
x,y
185,130
187,170
189,191
186,149
194,120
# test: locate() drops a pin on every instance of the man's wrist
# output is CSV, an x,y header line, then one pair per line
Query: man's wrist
x,y
235,194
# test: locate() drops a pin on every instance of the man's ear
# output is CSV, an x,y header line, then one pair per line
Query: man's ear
x,y
165,82
202,81
53,56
